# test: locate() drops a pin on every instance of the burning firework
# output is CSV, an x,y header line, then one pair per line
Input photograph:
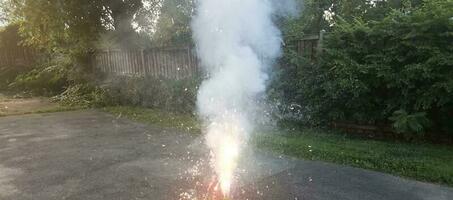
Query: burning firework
x,y
225,139
236,42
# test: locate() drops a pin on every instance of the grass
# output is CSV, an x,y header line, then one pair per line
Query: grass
x,y
154,117
424,162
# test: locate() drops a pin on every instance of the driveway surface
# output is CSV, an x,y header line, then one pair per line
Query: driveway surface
x,y
86,155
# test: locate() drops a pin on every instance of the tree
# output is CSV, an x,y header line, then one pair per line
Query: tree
x,y
320,15
72,24
398,67
4,10
173,25
122,13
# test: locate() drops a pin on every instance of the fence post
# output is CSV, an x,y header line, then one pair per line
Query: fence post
x,y
109,65
142,54
320,41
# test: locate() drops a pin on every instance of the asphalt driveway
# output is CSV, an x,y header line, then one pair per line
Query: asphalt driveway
x,y
88,155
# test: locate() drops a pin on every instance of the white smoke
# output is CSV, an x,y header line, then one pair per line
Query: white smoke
x,y
236,42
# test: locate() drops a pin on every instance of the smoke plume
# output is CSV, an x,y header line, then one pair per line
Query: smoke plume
x,y
236,42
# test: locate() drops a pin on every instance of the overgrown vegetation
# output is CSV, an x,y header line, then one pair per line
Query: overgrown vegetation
x,y
151,92
84,96
67,33
8,75
9,38
395,69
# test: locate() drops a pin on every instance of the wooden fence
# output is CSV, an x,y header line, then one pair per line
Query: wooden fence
x,y
17,56
171,63
310,46
380,131
167,62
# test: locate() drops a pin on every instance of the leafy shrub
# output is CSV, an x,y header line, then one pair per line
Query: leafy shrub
x,y
8,75
409,124
84,95
295,87
369,70
151,92
10,42
54,75
46,80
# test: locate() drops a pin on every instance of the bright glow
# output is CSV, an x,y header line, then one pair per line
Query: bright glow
x,y
226,140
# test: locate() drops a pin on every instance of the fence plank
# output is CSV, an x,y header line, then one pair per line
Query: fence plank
x,y
168,62
19,56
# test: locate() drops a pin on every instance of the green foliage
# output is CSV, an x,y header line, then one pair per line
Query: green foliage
x,y
83,95
10,40
151,92
71,24
75,26
46,80
173,26
297,85
317,15
171,95
404,122
51,77
371,69
8,75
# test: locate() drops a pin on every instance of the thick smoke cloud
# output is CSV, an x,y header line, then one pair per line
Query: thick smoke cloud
x,y
236,41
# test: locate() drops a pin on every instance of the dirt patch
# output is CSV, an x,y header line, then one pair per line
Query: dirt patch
x,y
17,106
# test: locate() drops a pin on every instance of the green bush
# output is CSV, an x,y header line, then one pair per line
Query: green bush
x,y
411,125
151,92
54,75
45,80
10,41
85,96
369,70
8,75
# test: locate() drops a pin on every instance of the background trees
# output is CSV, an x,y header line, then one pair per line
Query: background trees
x,y
87,23
64,23
395,68
173,26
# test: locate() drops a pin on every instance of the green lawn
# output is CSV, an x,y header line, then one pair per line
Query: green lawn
x,y
425,162
157,118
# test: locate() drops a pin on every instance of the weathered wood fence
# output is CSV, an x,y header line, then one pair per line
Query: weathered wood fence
x,y
17,56
171,63
166,62
310,46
